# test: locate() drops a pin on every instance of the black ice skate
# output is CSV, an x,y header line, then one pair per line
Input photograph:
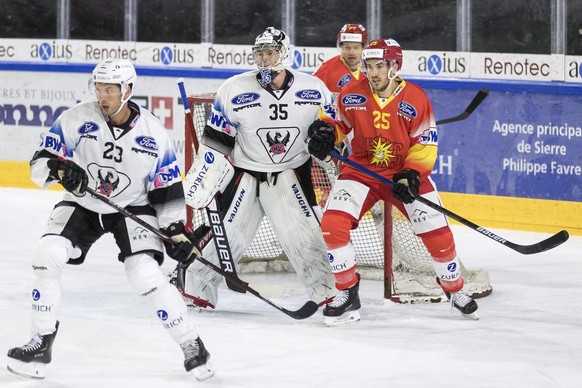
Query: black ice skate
x,y
344,307
462,302
30,360
196,359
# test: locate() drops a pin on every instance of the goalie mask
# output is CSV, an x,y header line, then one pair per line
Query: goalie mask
x,y
386,49
115,71
270,52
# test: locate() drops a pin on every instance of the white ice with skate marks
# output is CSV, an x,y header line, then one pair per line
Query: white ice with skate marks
x,y
529,333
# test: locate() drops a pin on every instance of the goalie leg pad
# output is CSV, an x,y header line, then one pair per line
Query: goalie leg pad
x,y
242,219
298,231
147,279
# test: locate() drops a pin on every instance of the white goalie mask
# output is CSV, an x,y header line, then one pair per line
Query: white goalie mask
x,y
115,71
271,51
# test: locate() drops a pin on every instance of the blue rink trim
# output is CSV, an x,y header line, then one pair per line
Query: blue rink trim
x,y
539,87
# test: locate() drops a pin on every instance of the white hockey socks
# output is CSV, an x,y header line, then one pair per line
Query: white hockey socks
x,y
147,279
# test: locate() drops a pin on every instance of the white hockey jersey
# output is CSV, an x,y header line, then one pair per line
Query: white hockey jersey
x,y
269,127
136,168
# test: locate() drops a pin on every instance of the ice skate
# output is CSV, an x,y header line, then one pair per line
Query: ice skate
x,y
30,360
196,359
462,302
344,307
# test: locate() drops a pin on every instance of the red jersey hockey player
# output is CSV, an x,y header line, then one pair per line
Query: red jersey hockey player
x,y
394,134
341,69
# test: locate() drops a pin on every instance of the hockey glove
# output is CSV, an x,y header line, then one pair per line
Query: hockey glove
x,y
182,246
321,139
406,184
73,178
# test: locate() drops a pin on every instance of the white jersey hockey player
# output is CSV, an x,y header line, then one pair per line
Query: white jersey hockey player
x,y
123,152
253,157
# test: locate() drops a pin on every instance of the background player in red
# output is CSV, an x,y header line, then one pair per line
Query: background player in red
x,y
394,134
341,69
337,72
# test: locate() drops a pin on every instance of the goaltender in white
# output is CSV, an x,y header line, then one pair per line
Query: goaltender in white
x,y
253,158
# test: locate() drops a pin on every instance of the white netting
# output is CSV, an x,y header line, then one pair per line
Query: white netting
x,y
413,276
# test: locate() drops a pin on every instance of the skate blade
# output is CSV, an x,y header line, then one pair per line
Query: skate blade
x,y
31,370
203,372
344,319
472,316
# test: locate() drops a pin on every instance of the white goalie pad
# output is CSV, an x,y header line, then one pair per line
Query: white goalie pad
x,y
209,175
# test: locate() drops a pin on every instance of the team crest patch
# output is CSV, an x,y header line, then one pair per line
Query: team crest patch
x,y
277,142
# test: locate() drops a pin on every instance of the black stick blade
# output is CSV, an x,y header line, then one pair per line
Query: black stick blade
x,y
306,311
547,244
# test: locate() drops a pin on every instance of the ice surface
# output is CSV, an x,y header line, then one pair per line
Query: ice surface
x,y
529,334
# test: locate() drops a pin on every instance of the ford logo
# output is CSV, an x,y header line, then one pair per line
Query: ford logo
x,y
354,99
88,127
146,142
344,80
245,98
407,109
308,94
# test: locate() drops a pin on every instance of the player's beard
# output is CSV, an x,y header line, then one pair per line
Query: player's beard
x,y
379,85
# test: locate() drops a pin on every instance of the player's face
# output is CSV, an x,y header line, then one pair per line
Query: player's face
x,y
378,71
351,53
266,57
109,97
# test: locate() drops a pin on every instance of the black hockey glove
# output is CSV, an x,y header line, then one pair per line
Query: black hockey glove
x,y
406,184
321,139
73,178
183,239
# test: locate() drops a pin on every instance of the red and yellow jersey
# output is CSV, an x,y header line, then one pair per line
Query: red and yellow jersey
x,y
335,74
389,134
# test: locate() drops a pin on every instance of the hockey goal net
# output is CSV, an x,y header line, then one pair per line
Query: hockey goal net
x,y
403,262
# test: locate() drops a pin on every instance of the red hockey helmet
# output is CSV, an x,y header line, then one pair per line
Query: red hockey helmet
x,y
352,33
387,49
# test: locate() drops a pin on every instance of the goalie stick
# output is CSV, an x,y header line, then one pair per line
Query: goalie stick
x,y
477,100
541,246
307,310
213,212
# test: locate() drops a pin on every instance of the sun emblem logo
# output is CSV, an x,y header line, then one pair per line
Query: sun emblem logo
x,y
382,152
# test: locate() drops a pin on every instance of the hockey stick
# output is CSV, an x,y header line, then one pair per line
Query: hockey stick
x,y
541,246
307,310
477,100
213,210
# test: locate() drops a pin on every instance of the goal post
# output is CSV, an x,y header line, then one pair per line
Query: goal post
x,y
386,246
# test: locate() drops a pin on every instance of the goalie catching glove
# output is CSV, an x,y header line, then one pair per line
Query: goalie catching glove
x,y
406,185
183,246
73,178
209,175
321,139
